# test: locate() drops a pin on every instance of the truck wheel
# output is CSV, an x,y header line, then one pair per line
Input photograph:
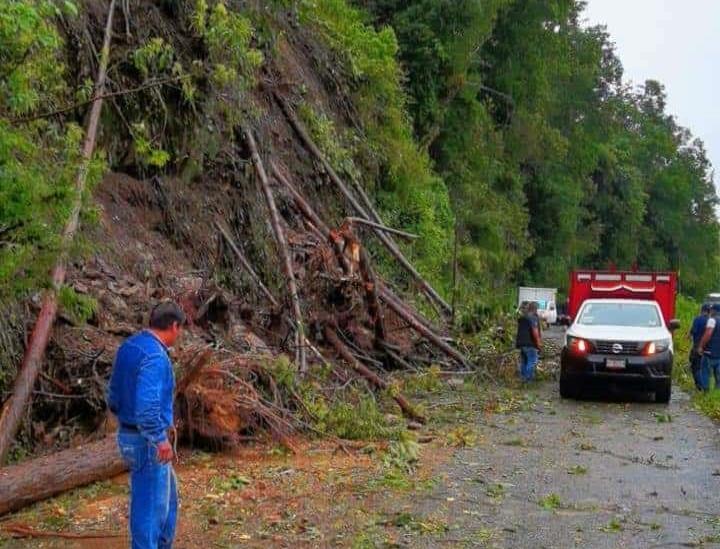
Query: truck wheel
x,y
568,389
662,394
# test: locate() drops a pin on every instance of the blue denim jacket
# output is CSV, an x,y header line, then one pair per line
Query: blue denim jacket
x,y
141,387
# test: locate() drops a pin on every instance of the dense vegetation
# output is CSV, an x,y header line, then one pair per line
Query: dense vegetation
x,y
551,159
506,122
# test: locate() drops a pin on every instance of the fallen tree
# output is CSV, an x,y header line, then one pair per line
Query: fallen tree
x,y
41,478
14,407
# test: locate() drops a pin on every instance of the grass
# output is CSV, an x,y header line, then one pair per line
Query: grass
x,y
551,502
577,470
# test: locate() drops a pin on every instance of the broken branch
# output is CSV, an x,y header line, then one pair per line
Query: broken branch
x,y
407,408
383,228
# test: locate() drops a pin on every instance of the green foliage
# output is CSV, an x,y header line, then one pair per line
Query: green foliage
x,y
324,133
231,59
77,307
154,57
550,165
356,417
551,502
147,153
411,195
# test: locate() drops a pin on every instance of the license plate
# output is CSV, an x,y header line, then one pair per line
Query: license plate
x,y
615,364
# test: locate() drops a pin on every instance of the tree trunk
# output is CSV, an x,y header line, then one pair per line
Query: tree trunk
x,y
282,245
310,214
42,478
15,405
426,333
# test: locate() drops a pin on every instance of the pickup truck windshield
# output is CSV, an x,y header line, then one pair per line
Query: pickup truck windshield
x,y
620,314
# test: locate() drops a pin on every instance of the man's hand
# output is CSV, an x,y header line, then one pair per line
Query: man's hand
x,y
165,452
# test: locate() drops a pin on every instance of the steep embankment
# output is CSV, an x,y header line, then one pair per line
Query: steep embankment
x,y
173,167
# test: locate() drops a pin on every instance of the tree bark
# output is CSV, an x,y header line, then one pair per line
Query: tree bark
x,y
389,244
12,412
368,374
42,478
282,244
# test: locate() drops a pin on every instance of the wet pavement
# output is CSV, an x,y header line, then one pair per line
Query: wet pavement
x,y
564,473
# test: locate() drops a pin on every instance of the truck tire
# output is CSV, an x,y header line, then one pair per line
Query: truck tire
x,y
662,394
568,389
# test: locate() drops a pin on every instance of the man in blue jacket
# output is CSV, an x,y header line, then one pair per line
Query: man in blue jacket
x,y
141,394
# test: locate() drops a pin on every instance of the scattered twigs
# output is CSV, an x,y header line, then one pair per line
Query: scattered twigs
x,y
407,408
14,407
383,228
392,248
282,244
246,264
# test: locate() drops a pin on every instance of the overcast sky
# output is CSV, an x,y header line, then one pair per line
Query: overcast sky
x,y
678,43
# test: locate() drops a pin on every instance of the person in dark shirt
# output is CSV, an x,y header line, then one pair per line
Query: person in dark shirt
x,y
140,394
709,349
528,341
696,332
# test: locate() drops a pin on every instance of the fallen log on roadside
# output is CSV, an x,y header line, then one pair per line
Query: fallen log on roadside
x,y
42,478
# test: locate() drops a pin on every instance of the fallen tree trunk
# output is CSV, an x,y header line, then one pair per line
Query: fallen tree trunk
x,y
15,405
283,246
426,332
368,374
41,478
389,244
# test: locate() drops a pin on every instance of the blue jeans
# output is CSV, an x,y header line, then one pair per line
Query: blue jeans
x,y
528,361
709,367
153,493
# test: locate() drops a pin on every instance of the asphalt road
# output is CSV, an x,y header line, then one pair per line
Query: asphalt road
x,y
625,473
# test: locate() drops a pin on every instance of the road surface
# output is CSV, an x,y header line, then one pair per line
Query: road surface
x,y
593,473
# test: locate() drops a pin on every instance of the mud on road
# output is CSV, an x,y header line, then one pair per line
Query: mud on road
x,y
562,473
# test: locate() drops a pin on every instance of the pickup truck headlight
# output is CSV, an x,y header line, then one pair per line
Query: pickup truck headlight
x,y
578,345
658,346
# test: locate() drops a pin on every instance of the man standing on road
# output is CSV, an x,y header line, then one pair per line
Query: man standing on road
x,y
709,349
529,341
141,394
696,332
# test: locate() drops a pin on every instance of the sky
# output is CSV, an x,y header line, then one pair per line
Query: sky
x,y
678,43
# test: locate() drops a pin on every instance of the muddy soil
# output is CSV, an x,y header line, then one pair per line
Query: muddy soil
x,y
610,471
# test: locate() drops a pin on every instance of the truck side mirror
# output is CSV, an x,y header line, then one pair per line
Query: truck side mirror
x,y
674,325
